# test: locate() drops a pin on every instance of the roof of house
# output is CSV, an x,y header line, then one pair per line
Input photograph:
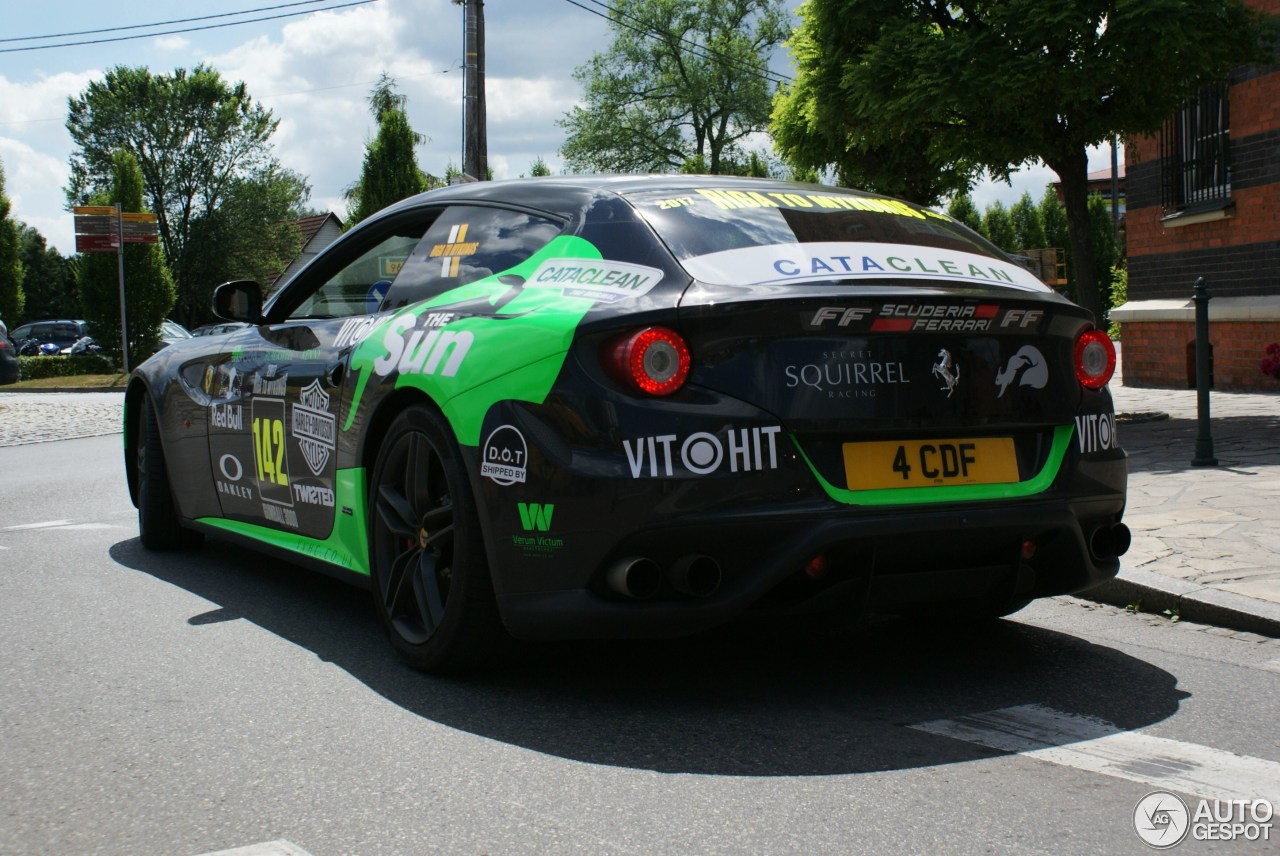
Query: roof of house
x,y
1105,174
309,226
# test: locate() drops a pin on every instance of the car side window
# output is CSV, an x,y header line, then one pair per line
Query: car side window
x,y
359,287
467,243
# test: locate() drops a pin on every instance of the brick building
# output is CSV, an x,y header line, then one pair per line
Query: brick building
x,y
1204,200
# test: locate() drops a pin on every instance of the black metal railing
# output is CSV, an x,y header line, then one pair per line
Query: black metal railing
x,y
1194,151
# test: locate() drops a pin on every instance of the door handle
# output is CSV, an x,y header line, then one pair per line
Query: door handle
x,y
333,375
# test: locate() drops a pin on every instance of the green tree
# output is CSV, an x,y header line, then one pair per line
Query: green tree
x,y
1027,225
1053,218
390,171
963,209
48,280
1106,252
149,289
682,79
1003,84
539,167
12,298
245,238
813,128
998,227
195,137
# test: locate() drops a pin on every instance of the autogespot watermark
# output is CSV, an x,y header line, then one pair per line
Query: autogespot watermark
x,y
1163,820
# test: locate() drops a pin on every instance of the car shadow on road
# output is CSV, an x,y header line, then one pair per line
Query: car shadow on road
x,y
1164,446
739,701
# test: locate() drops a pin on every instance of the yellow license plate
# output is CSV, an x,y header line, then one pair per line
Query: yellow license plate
x,y
930,463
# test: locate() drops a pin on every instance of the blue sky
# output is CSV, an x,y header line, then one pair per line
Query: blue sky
x,y
315,72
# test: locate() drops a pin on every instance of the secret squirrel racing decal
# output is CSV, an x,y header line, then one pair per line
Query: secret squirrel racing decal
x,y
469,363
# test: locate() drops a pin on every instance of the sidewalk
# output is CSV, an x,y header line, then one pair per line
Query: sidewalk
x,y
1206,540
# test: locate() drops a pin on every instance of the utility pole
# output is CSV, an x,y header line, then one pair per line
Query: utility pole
x,y
475,135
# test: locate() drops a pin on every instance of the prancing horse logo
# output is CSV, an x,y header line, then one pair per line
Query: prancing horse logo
x,y
946,369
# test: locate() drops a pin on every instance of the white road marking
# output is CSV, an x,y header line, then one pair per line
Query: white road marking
x,y
1098,746
64,525
279,847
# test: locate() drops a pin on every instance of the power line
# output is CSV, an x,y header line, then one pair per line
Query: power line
x,y
161,23
186,29
698,50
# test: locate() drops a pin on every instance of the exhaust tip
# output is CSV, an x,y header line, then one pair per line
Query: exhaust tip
x,y
695,575
635,576
1101,543
1109,542
1121,538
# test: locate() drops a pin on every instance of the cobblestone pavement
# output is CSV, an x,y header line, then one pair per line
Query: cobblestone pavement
x,y
1205,539
39,417
1206,532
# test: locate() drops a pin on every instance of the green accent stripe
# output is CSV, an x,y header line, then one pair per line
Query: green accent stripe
x,y
347,545
956,493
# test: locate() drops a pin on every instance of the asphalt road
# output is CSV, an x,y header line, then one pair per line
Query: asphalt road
x,y
187,703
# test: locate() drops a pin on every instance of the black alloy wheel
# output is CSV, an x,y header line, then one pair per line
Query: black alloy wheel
x,y
430,578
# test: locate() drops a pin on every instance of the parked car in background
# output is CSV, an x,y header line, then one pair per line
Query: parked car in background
x,y
62,332
219,328
172,331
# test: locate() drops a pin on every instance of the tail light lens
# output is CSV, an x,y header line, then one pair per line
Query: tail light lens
x,y
654,360
1095,359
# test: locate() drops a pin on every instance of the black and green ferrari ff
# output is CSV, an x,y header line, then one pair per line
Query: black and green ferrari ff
x,y
586,407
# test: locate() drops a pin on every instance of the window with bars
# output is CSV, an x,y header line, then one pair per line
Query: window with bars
x,y
1194,148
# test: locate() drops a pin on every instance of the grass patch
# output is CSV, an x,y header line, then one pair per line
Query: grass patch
x,y
118,380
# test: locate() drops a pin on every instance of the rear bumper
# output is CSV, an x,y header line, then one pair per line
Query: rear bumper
x,y
880,561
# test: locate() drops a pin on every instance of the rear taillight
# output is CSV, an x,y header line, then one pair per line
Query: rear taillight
x,y
1095,359
654,360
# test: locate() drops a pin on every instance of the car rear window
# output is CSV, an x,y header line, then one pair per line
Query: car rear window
x,y
744,236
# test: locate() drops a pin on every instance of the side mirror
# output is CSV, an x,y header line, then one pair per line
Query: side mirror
x,y
239,300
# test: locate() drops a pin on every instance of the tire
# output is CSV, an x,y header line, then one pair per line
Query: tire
x,y
431,582
158,523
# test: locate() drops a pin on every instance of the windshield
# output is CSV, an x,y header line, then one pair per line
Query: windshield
x,y
811,234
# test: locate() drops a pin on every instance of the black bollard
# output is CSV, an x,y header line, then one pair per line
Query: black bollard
x,y
1204,437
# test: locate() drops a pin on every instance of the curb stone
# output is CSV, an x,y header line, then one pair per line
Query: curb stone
x,y
1201,604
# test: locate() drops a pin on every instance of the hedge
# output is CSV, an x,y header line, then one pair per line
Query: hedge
x,y
34,368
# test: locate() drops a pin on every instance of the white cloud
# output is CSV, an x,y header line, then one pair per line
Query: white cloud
x,y
33,183
172,44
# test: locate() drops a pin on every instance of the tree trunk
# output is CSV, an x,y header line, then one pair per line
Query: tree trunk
x,y
1073,172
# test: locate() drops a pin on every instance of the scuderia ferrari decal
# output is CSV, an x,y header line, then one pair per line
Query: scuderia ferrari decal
x,y
917,317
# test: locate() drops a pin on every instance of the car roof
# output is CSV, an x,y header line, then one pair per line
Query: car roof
x,y
569,194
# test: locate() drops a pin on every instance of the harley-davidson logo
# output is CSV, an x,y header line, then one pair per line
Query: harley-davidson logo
x,y
314,426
